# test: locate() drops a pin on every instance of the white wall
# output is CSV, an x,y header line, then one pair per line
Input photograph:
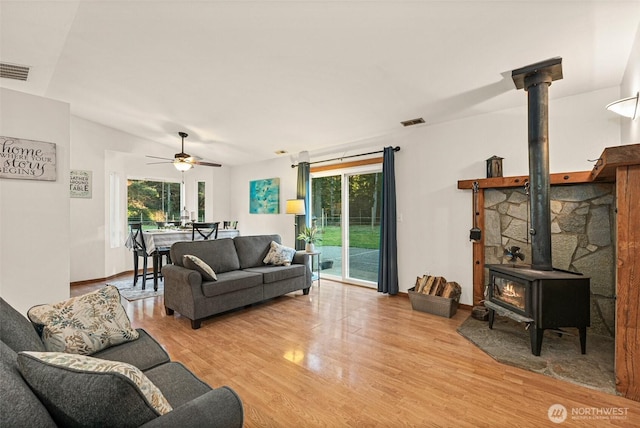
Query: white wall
x,y
256,224
433,236
436,216
103,151
34,215
629,87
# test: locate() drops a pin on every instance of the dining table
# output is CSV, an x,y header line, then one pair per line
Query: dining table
x,y
164,238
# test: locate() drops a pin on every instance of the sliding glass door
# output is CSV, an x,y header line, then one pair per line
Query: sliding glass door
x,y
350,243
363,226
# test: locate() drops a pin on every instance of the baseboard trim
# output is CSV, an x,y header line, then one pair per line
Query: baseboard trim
x,y
90,281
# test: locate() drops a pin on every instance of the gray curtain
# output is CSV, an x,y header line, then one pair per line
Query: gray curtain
x,y
388,262
303,192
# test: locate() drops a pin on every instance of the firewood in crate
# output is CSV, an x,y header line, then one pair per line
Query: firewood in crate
x,y
420,283
427,287
438,286
452,290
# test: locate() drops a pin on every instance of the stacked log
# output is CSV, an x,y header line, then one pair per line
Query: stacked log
x,y
437,286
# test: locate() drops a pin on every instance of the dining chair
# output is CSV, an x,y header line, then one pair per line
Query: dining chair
x,y
140,250
206,230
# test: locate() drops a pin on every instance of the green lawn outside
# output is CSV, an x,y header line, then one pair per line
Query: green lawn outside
x,y
361,236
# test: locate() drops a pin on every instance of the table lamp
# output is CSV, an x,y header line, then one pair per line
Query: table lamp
x,y
296,206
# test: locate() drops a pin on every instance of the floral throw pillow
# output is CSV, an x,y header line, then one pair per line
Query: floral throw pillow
x,y
103,392
85,324
279,255
196,263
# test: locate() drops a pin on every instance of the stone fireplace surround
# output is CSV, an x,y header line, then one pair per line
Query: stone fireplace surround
x,y
582,238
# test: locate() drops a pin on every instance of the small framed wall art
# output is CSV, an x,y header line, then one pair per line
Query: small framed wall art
x,y
264,196
80,184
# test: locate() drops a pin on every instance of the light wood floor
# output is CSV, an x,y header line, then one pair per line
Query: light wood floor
x,y
349,356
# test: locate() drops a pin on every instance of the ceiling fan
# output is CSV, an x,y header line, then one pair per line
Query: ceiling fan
x,y
184,161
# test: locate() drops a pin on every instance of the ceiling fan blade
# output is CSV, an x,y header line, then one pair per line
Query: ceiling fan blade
x,y
205,163
184,158
155,163
157,157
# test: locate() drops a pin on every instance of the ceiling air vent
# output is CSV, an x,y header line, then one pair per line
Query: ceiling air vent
x,y
412,122
14,71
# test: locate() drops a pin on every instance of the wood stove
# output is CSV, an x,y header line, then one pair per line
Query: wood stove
x,y
539,295
542,299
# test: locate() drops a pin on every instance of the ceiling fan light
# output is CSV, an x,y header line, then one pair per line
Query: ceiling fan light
x,y
627,107
181,165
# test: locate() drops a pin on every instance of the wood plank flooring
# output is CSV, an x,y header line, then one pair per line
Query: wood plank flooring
x,y
347,356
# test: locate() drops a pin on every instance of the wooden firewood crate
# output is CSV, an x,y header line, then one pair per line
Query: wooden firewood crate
x,y
437,305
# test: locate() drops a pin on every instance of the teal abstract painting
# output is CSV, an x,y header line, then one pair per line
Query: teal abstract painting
x,y
264,196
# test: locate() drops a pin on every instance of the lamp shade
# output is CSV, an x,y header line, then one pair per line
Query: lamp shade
x,y
295,206
182,165
627,107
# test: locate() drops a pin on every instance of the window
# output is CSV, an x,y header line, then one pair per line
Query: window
x,y
115,217
201,198
149,202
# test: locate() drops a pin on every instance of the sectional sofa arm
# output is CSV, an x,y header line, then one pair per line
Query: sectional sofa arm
x,y
301,257
220,407
179,274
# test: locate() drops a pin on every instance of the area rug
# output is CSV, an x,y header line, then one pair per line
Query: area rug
x,y
130,293
560,358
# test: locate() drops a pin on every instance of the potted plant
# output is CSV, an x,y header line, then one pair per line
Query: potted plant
x,y
310,236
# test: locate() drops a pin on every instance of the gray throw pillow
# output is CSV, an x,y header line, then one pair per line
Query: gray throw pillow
x,y
78,390
19,406
16,330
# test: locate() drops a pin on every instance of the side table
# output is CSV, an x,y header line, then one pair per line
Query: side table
x,y
314,254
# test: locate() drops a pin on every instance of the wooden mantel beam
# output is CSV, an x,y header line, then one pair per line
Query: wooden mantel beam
x,y
517,181
612,158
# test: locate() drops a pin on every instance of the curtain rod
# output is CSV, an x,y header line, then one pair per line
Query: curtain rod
x,y
395,149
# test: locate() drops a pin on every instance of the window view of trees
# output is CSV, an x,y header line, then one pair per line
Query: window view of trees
x,y
364,209
365,200
151,201
201,187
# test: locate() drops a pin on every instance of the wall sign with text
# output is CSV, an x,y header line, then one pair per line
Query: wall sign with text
x,y
80,184
27,159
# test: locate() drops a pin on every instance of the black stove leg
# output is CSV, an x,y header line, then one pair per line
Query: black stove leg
x,y
536,335
583,339
492,315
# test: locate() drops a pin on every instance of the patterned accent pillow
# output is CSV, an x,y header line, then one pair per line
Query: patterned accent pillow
x,y
85,324
279,255
196,263
91,391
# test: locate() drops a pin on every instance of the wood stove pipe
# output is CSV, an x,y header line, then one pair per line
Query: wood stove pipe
x,y
536,79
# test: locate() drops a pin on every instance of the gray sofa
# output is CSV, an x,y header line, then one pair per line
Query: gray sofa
x,y
79,398
242,277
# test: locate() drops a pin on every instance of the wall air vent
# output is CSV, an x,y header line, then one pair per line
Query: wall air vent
x,y
412,122
14,71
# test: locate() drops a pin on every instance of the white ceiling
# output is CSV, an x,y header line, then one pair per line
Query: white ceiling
x,y
247,78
